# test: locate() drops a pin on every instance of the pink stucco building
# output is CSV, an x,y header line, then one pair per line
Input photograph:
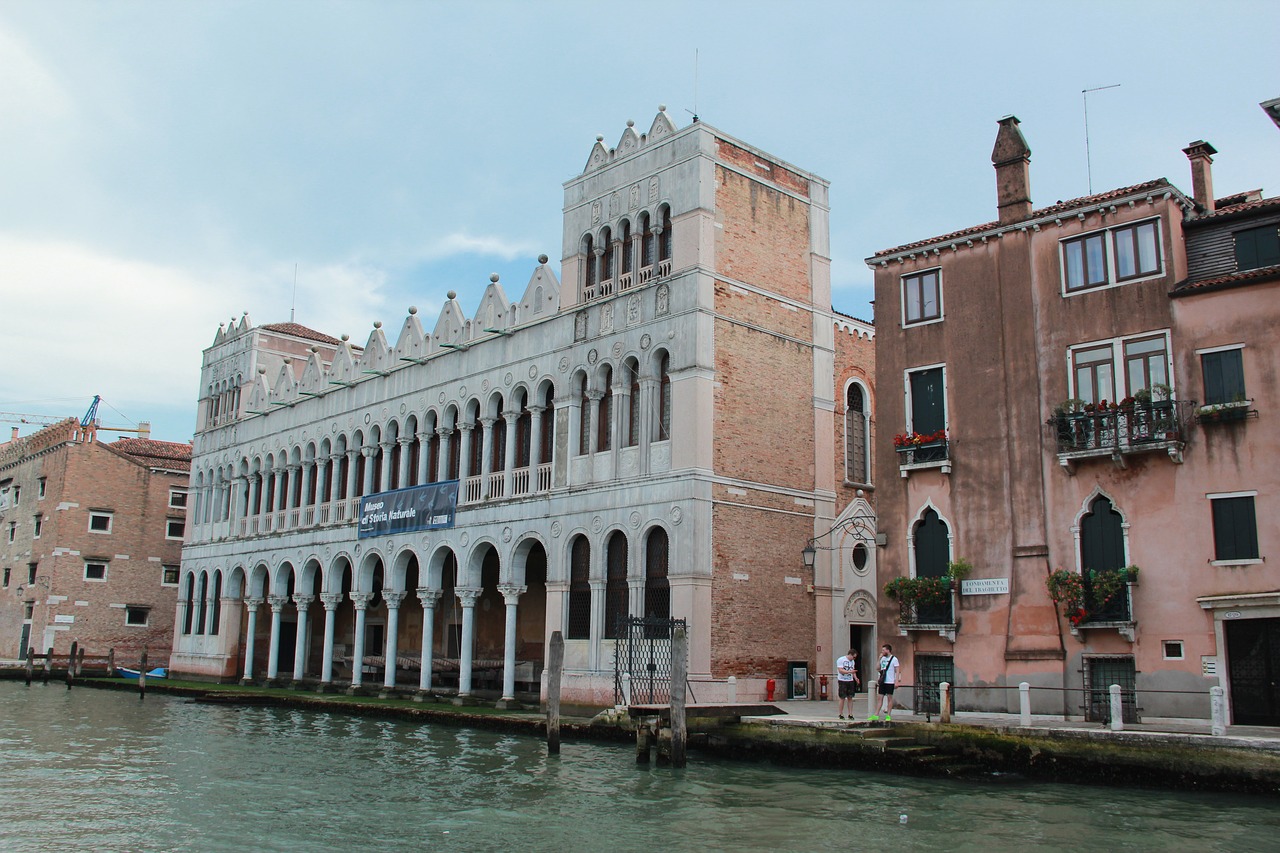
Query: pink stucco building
x,y
1086,387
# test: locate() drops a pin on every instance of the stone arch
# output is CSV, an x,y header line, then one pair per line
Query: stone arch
x,y
860,608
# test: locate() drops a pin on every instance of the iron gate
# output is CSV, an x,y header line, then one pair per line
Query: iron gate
x,y
1099,674
643,652
931,671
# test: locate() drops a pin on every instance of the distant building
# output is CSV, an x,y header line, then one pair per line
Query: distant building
x,y
90,542
1086,387
660,435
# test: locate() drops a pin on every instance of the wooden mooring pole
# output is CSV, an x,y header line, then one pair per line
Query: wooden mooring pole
x,y
80,663
48,665
31,663
555,670
142,675
111,661
71,662
679,674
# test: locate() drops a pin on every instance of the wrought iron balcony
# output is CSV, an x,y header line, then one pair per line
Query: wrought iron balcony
x,y
1117,432
929,616
930,454
1115,612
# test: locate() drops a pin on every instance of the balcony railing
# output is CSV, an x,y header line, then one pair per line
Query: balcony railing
x,y
1115,612
931,454
1135,428
929,616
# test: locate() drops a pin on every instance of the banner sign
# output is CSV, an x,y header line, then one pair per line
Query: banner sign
x,y
428,507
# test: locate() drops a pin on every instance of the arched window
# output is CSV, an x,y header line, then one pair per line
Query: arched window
x,y
433,458
584,418
646,242
932,546
498,455
217,603
524,430
604,433
477,448
201,602
657,590
191,601
628,253
589,272
633,402
579,627
662,424
615,591
455,453
1102,550
664,243
548,425
857,469
606,262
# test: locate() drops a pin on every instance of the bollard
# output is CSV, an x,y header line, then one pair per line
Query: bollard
x,y
679,674
142,675
1217,711
555,667
626,689
733,690
1117,709
944,707
48,664
31,655
1024,704
71,662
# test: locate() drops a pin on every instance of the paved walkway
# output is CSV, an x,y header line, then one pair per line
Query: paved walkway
x,y
823,714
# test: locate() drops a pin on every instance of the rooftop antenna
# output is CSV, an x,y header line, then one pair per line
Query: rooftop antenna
x,y
694,112
294,304
1088,157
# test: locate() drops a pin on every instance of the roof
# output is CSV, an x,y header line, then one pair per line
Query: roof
x,y
1261,205
149,451
1222,282
300,331
1059,207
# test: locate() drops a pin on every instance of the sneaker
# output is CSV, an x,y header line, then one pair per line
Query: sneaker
x,y
873,719
841,716
888,719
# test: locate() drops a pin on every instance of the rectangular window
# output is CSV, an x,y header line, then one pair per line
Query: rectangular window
x,y
1119,368
926,401
31,573
95,570
922,297
1145,363
7,570
1091,368
99,522
169,576
17,494
39,522
40,483
1257,248
1235,527
136,616
1173,650
5,489
1223,376
174,528
177,498
13,530
1112,256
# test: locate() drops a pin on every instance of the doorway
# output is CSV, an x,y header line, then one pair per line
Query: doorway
x,y
1253,663
859,637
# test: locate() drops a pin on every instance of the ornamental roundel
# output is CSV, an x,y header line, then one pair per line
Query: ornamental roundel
x,y
533,371
464,539
635,520
564,363
645,341
367,417
677,515
441,398
597,524
333,428
462,392
556,529
356,549
385,412
617,349
404,407
508,379
484,386
860,607
289,439
506,534
426,542
592,356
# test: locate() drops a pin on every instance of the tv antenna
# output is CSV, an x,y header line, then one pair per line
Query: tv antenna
x,y
694,112
294,304
1088,157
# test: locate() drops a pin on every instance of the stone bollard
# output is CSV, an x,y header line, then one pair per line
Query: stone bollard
x,y
733,690
111,661
142,675
1024,704
1117,709
944,700
626,689
1217,711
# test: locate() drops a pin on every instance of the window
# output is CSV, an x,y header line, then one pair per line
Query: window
x,y
95,571
921,297
579,627
174,528
169,576
855,435
1223,372
663,424
7,571
177,498
31,573
99,522
39,522
1235,527
13,530
1111,256
17,494
5,489
657,589
926,401
40,486
615,592
1111,370
136,615
604,421
1173,650
1257,247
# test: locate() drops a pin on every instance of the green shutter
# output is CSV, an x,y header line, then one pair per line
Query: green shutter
x,y
1257,247
1102,538
1223,376
1235,529
933,550
927,411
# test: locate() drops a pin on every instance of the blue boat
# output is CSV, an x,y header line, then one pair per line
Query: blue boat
x,y
158,672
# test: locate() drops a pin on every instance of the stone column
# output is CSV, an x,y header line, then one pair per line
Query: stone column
x,y
597,622
277,603
322,480
291,487
406,456
424,457
511,596
648,412
509,452
385,464
593,428
330,600
304,490
361,601
278,495
486,452
464,451
237,511
300,641
392,650
349,482
442,459
251,605
428,597
208,609
535,443
467,598
255,487
368,453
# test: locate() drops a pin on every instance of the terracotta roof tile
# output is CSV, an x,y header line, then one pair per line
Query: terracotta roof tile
x,y
169,454
300,331
1188,288
1257,206
1060,207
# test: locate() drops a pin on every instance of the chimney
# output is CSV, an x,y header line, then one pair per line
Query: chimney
x,y
1012,159
144,429
13,436
1200,154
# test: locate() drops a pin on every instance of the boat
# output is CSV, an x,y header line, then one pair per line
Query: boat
x,y
158,672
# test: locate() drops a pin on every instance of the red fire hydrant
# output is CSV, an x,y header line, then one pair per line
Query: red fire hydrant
x,y
769,686
822,687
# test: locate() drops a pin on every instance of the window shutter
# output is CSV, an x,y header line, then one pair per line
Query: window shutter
x,y
926,401
1235,529
1258,247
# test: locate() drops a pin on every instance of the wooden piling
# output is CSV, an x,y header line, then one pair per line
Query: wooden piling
x,y
111,661
142,675
80,663
31,658
71,662
555,670
679,673
642,742
48,665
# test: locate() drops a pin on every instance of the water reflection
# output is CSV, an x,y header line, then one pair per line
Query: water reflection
x,y
101,770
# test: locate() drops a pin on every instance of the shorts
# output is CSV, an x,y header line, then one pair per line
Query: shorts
x,y
846,689
886,689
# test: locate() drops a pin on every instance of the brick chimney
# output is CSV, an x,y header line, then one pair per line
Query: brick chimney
x,y
1012,159
1201,156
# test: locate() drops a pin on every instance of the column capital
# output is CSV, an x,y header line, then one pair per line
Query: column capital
x,y
303,601
337,457
252,603
428,596
330,600
511,417
361,600
368,450
536,410
393,598
386,445
511,592
405,440
293,466
277,602
425,435
352,453
488,422
467,597
444,432
466,427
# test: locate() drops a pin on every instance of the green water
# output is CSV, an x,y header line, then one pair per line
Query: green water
x,y
100,770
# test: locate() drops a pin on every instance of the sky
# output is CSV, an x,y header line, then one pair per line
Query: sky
x,y
165,167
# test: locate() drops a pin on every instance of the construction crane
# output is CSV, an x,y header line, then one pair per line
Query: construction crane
x,y
89,422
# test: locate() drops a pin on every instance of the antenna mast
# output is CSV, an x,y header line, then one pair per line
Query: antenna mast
x,y
294,304
1088,157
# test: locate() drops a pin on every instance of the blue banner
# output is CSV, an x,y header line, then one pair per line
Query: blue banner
x,y
428,507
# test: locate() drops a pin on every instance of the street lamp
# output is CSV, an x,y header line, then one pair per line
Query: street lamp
x,y
809,554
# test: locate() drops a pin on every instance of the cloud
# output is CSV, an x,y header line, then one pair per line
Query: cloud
x,y
452,245
30,91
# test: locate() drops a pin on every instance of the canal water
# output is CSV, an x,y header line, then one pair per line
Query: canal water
x,y
99,770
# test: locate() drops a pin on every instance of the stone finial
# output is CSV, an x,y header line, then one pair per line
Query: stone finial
x,y
262,371
599,137
662,108
630,123
346,337
377,324
493,277
452,294
413,309
542,259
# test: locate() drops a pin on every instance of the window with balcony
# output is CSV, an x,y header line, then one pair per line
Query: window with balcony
x,y
1112,256
1235,528
925,441
1257,247
1225,398
922,297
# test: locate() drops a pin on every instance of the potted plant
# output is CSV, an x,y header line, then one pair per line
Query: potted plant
x,y
1066,589
958,570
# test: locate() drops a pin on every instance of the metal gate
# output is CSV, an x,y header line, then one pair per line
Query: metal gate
x,y
642,660
931,671
1099,674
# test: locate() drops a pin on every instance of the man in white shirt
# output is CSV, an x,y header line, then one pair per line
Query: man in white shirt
x,y
889,667
847,680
